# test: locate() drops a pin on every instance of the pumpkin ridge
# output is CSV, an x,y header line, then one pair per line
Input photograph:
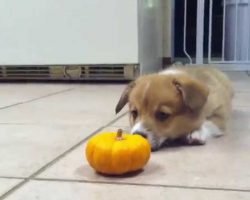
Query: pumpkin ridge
x,y
107,155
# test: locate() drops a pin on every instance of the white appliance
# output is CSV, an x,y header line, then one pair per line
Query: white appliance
x,y
79,39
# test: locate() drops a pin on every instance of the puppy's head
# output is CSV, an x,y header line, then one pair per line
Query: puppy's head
x,y
164,106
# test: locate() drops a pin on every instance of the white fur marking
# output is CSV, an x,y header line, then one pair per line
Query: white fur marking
x,y
171,71
207,130
137,128
211,129
155,142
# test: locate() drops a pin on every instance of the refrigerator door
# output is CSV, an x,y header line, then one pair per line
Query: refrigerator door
x,y
68,32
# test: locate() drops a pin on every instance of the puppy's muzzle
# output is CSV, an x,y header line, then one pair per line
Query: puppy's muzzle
x,y
139,130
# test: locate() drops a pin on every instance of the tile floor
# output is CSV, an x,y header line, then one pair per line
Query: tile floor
x,y
44,127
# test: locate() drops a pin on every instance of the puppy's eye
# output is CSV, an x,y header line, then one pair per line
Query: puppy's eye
x,y
134,113
161,116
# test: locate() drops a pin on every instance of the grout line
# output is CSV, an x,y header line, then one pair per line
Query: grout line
x,y
21,124
240,106
12,177
49,95
235,107
43,168
74,147
115,126
16,187
142,184
35,99
241,91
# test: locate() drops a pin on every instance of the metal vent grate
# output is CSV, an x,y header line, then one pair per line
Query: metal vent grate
x,y
1,72
27,72
102,72
70,72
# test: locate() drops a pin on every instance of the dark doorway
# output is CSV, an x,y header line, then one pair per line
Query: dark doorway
x,y
191,28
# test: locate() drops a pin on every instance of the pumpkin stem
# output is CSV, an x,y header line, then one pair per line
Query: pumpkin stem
x,y
119,134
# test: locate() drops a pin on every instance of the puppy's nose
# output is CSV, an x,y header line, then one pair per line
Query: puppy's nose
x,y
141,134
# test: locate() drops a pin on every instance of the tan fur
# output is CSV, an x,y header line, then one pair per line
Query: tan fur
x,y
189,98
218,107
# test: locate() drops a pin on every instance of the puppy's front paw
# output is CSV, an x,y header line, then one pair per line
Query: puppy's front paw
x,y
200,136
196,138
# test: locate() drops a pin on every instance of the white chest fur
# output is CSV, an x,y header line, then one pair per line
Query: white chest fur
x,y
171,72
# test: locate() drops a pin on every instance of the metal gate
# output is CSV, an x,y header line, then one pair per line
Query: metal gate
x,y
235,38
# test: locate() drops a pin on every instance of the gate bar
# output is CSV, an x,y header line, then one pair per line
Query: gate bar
x,y
210,30
200,31
223,34
185,32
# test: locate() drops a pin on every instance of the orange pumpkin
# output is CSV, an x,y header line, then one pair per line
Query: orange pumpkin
x,y
117,153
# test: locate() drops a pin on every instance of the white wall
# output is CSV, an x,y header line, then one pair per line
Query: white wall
x,y
68,31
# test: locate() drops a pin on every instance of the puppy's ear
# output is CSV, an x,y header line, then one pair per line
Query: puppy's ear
x,y
193,92
124,97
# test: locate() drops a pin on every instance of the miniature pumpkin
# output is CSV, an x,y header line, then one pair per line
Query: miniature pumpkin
x,y
117,153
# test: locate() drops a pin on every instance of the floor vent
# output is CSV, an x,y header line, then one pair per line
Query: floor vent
x,y
102,72
1,72
26,72
70,72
